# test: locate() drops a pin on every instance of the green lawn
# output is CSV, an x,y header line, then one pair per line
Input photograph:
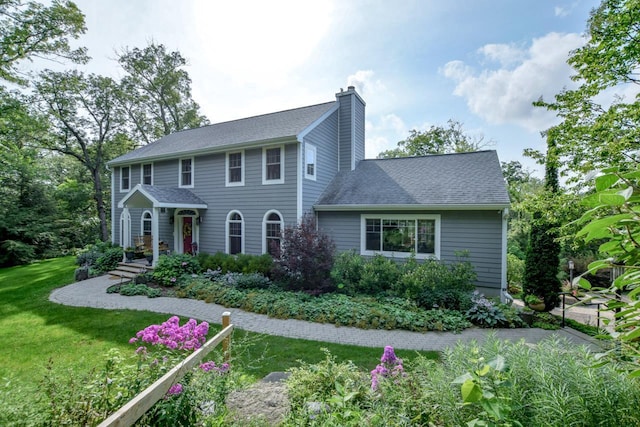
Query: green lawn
x,y
34,330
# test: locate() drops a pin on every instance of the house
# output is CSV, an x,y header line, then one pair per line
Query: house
x,y
234,186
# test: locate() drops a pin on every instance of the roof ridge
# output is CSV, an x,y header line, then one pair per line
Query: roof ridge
x,y
433,155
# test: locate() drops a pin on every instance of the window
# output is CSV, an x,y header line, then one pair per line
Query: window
x,y
147,174
235,171
272,233
235,226
146,223
401,235
310,162
272,166
186,172
125,178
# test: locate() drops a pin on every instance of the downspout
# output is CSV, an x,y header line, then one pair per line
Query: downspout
x,y
504,294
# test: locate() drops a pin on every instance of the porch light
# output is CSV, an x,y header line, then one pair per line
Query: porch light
x,y
200,221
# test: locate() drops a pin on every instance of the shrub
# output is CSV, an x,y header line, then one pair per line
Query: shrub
x,y
433,284
541,262
108,260
170,269
240,263
347,272
131,289
378,274
305,258
515,271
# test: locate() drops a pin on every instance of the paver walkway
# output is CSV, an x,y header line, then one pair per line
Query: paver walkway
x,y
92,293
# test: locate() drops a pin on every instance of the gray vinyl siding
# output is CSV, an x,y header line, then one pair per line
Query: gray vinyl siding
x,y
323,137
477,232
345,132
252,200
358,137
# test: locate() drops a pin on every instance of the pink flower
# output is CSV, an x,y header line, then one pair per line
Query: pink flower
x,y
175,389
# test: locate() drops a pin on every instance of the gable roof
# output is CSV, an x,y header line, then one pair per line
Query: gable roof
x,y
448,181
288,124
161,197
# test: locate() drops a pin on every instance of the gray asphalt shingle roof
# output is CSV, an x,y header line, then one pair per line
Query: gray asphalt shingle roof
x,y
283,124
465,179
169,195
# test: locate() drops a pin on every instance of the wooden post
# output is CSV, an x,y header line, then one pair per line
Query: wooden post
x,y
226,321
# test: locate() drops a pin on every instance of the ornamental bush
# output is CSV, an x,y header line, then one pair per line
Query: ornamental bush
x,y
171,269
305,258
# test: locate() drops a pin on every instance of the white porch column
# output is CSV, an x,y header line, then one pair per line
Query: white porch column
x,y
155,233
504,295
126,228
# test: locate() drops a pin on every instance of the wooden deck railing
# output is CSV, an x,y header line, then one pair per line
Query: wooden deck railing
x,y
132,411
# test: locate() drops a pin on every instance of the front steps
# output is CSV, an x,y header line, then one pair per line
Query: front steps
x,y
129,270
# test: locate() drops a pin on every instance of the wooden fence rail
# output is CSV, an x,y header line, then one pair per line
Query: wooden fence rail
x,y
132,411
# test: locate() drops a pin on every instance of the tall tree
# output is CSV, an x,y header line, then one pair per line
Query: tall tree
x,y
30,29
600,127
156,93
543,252
86,125
436,140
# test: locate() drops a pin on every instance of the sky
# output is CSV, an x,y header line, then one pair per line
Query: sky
x,y
415,63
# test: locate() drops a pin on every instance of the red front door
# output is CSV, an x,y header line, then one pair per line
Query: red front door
x,y
187,234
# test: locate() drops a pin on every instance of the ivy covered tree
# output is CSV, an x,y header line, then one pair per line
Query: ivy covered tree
x,y
543,251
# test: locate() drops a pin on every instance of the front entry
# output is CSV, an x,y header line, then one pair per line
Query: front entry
x,y
186,231
187,234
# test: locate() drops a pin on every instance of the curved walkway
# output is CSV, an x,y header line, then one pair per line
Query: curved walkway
x,y
92,293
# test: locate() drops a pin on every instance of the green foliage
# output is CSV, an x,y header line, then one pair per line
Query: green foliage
x,y
156,93
30,29
489,314
131,289
378,274
433,284
171,269
347,272
109,260
361,312
436,140
601,131
499,383
321,382
541,263
515,271
240,263
613,221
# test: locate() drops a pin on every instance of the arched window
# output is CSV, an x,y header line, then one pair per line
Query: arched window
x,y
272,232
235,232
146,223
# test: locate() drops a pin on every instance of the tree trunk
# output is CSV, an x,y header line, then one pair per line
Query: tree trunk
x,y
99,198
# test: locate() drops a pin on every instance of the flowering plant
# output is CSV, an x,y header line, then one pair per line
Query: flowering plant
x,y
390,366
171,335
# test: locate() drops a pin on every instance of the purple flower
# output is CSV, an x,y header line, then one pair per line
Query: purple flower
x,y
175,389
390,365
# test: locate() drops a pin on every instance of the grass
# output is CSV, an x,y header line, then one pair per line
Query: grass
x,y
34,330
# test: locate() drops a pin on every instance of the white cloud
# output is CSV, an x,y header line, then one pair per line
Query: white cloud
x,y
364,82
383,133
505,54
506,94
560,11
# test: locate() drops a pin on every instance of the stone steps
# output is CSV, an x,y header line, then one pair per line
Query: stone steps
x,y
129,270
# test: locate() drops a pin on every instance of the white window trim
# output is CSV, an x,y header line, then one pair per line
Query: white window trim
x,y
226,173
122,189
264,228
363,236
266,181
227,247
142,220
142,173
193,169
312,148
